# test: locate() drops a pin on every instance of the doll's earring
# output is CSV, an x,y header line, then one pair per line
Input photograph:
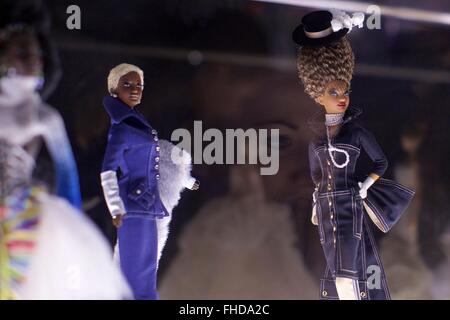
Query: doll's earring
x,y
113,95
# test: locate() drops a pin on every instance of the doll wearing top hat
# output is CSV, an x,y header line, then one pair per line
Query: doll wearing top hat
x,y
343,202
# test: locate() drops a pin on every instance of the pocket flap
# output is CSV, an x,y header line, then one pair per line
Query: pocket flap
x,y
143,195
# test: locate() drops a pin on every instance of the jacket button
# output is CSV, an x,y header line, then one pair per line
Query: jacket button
x,y
329,176
156,159
330,203
154,131
363,294
155,138
138,191
331,216
328,162
324,293
157,177
334,229
157,148
156,167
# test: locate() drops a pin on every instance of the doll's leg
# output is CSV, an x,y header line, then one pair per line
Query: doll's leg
x,y
138,244
347,288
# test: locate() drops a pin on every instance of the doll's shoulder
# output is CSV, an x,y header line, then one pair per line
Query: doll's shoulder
x,y
118,130
50,116
117,135
356,129
360,135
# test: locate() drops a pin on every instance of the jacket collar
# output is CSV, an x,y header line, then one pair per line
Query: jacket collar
x,y
119,111
317,121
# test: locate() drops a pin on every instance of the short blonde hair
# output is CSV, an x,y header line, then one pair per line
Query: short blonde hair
x,y
120,70
318,66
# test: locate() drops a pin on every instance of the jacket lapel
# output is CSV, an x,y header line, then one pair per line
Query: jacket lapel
x,y
119,112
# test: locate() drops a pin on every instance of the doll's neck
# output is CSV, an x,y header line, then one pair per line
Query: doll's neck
x,y
334,119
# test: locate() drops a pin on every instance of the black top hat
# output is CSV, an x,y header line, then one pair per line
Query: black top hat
x,y
315,30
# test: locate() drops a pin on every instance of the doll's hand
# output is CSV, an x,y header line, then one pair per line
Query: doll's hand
x,y
362,191
314,220
364,186
196,185
117,220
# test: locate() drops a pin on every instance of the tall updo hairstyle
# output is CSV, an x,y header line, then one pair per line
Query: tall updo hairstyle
x,y
318,66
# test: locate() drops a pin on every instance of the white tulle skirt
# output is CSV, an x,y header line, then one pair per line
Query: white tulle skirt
x,y
71,260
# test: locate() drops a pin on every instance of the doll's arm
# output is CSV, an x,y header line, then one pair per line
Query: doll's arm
x,y
314,219
60,150
110,185
315,170
111,192
316,173
373,150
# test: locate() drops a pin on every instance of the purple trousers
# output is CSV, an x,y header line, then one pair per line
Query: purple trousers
x,y
138,244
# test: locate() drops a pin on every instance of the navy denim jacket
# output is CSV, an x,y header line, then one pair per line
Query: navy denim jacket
x,y
386,200
353,138
133,154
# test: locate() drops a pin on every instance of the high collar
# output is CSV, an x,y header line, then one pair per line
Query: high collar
x,y
119,111
317,121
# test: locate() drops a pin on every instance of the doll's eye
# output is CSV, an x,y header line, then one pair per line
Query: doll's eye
x,y
129,85
333,93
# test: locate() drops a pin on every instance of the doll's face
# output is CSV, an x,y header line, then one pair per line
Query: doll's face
x,y
335,98
23,54
129,89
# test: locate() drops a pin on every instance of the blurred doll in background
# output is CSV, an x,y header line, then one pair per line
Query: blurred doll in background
x,y
416,255
141,181
408,275
27,53
48,250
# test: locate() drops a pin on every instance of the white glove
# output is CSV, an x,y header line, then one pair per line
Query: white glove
x,y
314,220
363,187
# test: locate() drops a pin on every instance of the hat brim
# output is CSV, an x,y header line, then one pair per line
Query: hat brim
x,y
302,39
